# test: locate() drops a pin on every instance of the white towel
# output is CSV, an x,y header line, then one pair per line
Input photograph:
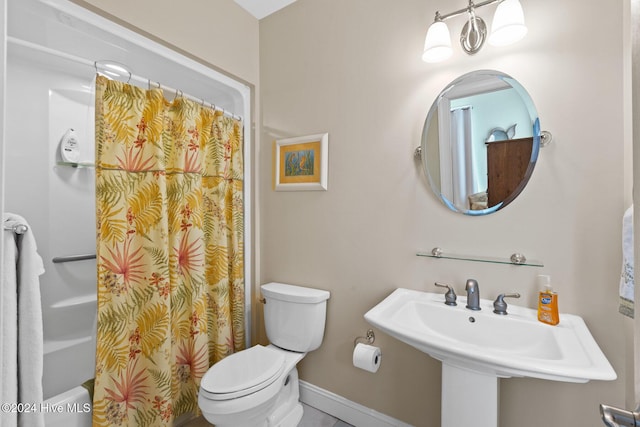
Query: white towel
x,y
626,277
22,341
9,331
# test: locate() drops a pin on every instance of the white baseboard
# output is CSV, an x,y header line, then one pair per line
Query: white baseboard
x,y
344,409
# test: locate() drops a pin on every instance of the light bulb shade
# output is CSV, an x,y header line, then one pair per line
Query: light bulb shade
x,y
437,44
508,24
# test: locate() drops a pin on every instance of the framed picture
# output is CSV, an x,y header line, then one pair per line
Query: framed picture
x,y
301,163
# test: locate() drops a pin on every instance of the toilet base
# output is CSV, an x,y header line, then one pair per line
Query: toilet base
x,y
287,411
292,419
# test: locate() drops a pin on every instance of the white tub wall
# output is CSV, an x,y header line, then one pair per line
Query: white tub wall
x,y
58,203
3,57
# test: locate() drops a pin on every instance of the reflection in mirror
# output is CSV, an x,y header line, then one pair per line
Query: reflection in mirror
x,y
480,142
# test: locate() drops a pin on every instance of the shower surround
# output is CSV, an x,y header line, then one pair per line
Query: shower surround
x,y
51,49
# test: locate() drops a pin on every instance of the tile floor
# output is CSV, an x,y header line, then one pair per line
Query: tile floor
x,y
312,418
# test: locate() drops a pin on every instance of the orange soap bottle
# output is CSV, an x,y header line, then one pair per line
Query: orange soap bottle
x,y
547,302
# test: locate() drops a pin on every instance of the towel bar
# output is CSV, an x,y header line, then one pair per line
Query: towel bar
x,y
17,228
71,258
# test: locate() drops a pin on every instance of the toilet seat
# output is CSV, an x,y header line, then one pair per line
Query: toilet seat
x,y
243,373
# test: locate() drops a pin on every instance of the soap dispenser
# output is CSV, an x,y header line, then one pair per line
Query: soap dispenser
x,y
547,302
69,147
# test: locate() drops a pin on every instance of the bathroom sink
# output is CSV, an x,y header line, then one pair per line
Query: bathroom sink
x,y
515,345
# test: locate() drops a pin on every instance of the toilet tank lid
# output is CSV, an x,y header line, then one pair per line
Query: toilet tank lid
x,y
292,293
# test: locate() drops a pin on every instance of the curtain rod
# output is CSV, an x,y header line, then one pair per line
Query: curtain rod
x,y
138,79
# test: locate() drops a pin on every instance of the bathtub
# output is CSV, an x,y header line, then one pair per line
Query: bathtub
x,y
69,409
68,362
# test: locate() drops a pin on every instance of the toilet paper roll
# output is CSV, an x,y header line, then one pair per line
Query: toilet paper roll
x,y
367,357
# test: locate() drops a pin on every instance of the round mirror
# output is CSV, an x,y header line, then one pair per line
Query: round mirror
x,y
480,142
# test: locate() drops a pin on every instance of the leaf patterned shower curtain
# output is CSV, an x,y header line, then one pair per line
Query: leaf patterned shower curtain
x,y
169,203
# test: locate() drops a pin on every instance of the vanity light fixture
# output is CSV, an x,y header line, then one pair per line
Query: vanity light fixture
x,y
508,27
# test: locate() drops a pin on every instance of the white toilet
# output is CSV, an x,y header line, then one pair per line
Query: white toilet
x,y
258,387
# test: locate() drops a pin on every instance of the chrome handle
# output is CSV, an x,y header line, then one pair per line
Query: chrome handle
x,y
499,306
513,295
616,417
450,296
443,285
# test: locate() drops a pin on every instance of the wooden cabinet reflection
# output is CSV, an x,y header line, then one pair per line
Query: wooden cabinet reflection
x,y
508,164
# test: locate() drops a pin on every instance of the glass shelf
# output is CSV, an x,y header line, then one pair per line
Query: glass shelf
x,y
77,165
515,259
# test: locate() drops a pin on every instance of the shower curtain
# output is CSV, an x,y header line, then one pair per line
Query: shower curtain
x,y
169,203
464,168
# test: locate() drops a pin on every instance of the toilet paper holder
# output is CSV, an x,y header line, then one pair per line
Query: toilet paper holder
x,y
370,338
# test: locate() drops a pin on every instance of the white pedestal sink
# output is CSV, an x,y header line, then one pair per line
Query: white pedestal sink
x,y
477,348
469,398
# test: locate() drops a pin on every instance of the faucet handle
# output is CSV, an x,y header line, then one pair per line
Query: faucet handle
x,y
499,306
450,296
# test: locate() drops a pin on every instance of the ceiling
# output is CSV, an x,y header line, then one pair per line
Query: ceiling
x,y
262,8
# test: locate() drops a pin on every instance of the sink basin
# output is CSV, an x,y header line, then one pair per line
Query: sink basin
x,y
515,345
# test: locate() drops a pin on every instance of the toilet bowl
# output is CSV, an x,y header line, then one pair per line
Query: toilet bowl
x,y
259,387
243,389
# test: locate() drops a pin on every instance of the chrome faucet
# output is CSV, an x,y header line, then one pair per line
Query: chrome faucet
x,y
473,294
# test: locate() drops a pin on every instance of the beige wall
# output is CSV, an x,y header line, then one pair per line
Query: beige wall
x,y
353,69
218,32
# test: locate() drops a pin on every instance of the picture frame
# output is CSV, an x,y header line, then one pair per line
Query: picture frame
x,y
301,163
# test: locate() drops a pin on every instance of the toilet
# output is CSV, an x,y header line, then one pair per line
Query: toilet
x,y
259,387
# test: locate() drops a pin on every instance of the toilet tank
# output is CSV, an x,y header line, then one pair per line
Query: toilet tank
x,y
294,316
